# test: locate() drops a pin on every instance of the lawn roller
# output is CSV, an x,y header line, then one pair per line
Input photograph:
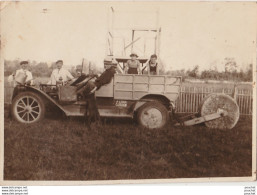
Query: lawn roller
x,y
217,111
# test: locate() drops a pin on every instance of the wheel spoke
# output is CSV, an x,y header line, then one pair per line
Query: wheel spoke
x,y
23,115
21,106
23,102
27,116
21,111
27,100
35,111
32,102
35,107
32,116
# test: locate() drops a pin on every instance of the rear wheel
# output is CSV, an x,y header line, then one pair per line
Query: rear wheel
x,y
28,107
153,115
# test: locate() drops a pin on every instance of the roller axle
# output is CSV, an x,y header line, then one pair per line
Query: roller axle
x,y
220,113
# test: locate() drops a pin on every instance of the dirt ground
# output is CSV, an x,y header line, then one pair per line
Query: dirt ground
x,y
65,149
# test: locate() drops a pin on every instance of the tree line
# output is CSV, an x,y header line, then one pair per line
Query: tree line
x,y
242,75
230,73
41,69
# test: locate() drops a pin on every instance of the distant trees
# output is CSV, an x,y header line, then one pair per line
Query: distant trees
x,y
230,65
42,69
11,66
229,73
232,76
193,73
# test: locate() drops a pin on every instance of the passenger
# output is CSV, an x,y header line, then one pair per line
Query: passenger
x,y
88,91
152,65
105,78
22,75
133,65
60,75
78,70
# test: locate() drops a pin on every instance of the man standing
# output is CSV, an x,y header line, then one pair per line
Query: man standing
x,y
60,75
22,75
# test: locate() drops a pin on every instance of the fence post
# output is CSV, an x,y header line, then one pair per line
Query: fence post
x,y
235,92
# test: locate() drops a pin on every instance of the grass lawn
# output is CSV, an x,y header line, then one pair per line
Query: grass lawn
x,y
65,149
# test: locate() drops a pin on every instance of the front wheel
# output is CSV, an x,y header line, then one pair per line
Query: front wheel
x,y
28,107
153,115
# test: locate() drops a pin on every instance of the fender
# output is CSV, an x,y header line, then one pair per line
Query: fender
x,y
34,89
155,97
139,103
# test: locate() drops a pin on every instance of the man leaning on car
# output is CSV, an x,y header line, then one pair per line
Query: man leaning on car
x,y
22,75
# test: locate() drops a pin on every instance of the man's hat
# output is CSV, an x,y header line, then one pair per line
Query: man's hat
x,y
79,67
133,54
59,61
24,62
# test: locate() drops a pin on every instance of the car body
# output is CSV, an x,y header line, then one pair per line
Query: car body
x,y
150,99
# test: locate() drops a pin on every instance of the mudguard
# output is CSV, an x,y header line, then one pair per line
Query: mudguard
x,y
38,91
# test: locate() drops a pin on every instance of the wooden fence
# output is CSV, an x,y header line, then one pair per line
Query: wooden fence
x,y
191,97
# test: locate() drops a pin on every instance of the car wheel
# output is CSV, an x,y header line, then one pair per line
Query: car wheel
x,y
153,115
28,107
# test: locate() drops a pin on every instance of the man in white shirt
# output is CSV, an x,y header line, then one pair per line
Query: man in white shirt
x,y
22,75
60,75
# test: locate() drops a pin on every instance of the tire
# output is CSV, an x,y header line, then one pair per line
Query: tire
x,y
153,115
28,107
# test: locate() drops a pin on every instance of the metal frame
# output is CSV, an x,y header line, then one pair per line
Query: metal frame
x,y
112,30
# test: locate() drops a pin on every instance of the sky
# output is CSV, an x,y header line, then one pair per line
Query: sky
x,y
193,33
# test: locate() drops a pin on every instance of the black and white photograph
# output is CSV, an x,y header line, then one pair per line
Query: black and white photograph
x,y
128,92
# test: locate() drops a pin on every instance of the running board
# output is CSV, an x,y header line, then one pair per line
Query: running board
x,y
104,111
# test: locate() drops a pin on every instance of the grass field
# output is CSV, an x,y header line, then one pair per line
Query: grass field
x,y
60,148
65,149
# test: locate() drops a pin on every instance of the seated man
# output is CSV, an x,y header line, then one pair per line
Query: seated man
x,y
79,70
90,87
60,75
22,75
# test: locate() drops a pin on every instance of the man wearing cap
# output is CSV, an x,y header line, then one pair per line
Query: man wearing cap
x,y
60,75
133,65
23,75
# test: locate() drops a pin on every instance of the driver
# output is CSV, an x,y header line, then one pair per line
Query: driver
x,y
60,75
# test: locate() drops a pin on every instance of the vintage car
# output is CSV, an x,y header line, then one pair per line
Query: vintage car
x,y
150,99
